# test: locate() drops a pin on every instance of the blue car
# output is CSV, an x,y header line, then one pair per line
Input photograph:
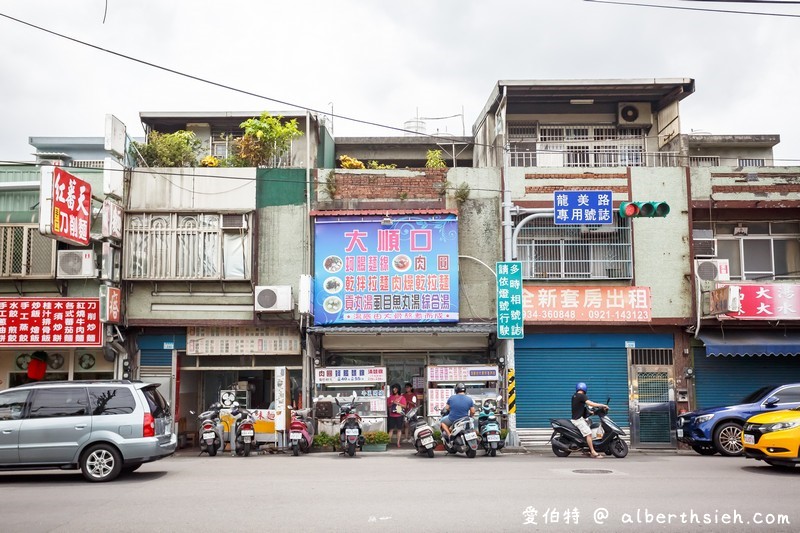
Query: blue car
x,y
719,429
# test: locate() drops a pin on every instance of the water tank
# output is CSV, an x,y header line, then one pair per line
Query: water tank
x,y
415,125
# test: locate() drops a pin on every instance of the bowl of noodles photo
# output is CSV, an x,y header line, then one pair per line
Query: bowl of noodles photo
x,y
332,285
332,304
401,263
332,264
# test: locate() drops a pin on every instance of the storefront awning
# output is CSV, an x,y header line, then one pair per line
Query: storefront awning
x,y
398,338
751,343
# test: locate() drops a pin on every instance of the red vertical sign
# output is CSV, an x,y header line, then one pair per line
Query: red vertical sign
x,y
70,213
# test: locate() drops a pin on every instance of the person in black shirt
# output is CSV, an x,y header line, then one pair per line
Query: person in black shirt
x,y
579,403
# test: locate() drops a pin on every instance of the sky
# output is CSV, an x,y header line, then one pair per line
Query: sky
x,y
384,62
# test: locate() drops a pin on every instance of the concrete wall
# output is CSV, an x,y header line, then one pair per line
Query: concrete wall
x,y
720,184
193,189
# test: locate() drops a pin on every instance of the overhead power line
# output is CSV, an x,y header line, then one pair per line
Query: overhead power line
x,y
703,9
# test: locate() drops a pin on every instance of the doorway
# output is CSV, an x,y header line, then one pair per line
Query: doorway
x,y
652,406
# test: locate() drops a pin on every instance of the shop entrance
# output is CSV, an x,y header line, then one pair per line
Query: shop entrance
x,y
406,369
652,407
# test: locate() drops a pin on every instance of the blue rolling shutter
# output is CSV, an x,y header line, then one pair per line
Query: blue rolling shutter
x,y
727,380
546,380
156,350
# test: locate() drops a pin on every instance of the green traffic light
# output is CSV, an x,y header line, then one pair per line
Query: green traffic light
x,y
643,209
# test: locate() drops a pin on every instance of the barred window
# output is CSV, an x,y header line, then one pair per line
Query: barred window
x,y
26,253
192,246
552,251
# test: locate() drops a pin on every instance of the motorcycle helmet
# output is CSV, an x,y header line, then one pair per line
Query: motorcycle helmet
x,y
580,386
460,387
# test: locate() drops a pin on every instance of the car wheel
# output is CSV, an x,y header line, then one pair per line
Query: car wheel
x,y
728,439
101,462
704,449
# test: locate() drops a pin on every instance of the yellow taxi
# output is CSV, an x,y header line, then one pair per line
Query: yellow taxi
x,y
773,437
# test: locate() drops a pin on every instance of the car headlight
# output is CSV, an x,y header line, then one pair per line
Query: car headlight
x,y
780,426
703,418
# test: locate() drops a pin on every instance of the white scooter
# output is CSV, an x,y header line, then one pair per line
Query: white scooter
x,y
423,433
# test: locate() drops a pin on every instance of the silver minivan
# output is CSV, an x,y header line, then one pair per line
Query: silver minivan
x,y
102,427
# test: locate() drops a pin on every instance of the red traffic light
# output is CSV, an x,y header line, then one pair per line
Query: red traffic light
x,y
643,209
628,209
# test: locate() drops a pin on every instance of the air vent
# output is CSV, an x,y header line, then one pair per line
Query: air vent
x,y
76,264
237,221
273,299
704,247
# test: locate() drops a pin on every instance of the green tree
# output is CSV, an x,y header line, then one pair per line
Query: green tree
x,y
266,139
179,149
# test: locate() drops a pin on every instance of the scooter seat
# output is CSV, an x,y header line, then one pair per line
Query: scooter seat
x,y
563,422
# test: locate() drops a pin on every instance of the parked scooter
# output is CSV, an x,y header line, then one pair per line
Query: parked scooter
x,y
301,432
463,438
210,432
350,435
423,433
242,432
489,427
606,436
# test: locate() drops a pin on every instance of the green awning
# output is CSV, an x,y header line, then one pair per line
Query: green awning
x,y
19,217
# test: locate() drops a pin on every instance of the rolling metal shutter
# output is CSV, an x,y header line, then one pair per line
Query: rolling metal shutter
x,y
546,379
726,380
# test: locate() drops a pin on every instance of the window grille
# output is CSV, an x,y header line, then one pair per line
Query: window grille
x,y
579,146
548,251
24,252
184,246
751,162
704,161
651,356
97,163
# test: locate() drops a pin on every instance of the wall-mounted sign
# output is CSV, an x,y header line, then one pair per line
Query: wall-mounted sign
x,y
381,269
509,300
582,207
65,206
112,220
110,304
45,322
586,304
766,301
467,374
350,374
242,340
437,399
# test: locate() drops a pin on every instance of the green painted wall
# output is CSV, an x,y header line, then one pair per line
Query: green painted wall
x,y
326,153
280,186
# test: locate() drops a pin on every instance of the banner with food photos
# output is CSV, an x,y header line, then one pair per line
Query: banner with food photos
x,y
386,269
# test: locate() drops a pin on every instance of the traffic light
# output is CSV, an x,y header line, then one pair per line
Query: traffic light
x,y
643,209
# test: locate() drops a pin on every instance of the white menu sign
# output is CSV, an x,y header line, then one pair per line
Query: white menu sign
x,y
350,374
437,399
463,373
242,340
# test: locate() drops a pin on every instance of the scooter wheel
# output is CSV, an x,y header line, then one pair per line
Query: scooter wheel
x,y
212,450
351,450
295,449
471,453
247,449
430,452
558,452
493,453
619,448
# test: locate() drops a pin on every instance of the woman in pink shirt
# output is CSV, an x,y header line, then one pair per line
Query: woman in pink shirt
x,y
396,406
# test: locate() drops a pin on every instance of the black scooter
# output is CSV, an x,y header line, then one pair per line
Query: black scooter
x,y
566,438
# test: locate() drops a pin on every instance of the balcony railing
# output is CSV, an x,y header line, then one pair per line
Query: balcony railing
x,y
583,156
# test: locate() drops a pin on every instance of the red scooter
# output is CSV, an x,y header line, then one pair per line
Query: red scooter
x,y
350,435
301,432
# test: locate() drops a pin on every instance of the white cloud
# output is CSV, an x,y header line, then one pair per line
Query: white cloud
x,y
379,61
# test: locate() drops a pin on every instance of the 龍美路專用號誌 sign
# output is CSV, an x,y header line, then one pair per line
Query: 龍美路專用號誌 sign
x,y
583,207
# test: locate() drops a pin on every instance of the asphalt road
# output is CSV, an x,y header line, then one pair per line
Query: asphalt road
x,y
398,491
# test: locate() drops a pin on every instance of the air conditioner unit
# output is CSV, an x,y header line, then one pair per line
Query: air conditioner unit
x,y
710,271
76,264
704,247
634,114
273,299
237,221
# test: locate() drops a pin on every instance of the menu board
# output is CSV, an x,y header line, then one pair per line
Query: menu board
x,y
350,374
437,399
463,373
50,322
382,269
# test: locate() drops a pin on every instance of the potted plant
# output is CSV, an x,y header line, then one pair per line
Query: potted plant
x,y
437,438
323,443
375,441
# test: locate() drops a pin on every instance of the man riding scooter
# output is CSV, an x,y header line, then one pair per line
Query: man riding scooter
x,y
459,406
579,414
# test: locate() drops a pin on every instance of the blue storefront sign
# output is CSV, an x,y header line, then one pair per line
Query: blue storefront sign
x,y
372,269
583,207
509,300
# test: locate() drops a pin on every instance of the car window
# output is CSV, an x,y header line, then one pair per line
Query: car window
x,y
789,395
12,404
111,400
158,405
69,401
755,396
